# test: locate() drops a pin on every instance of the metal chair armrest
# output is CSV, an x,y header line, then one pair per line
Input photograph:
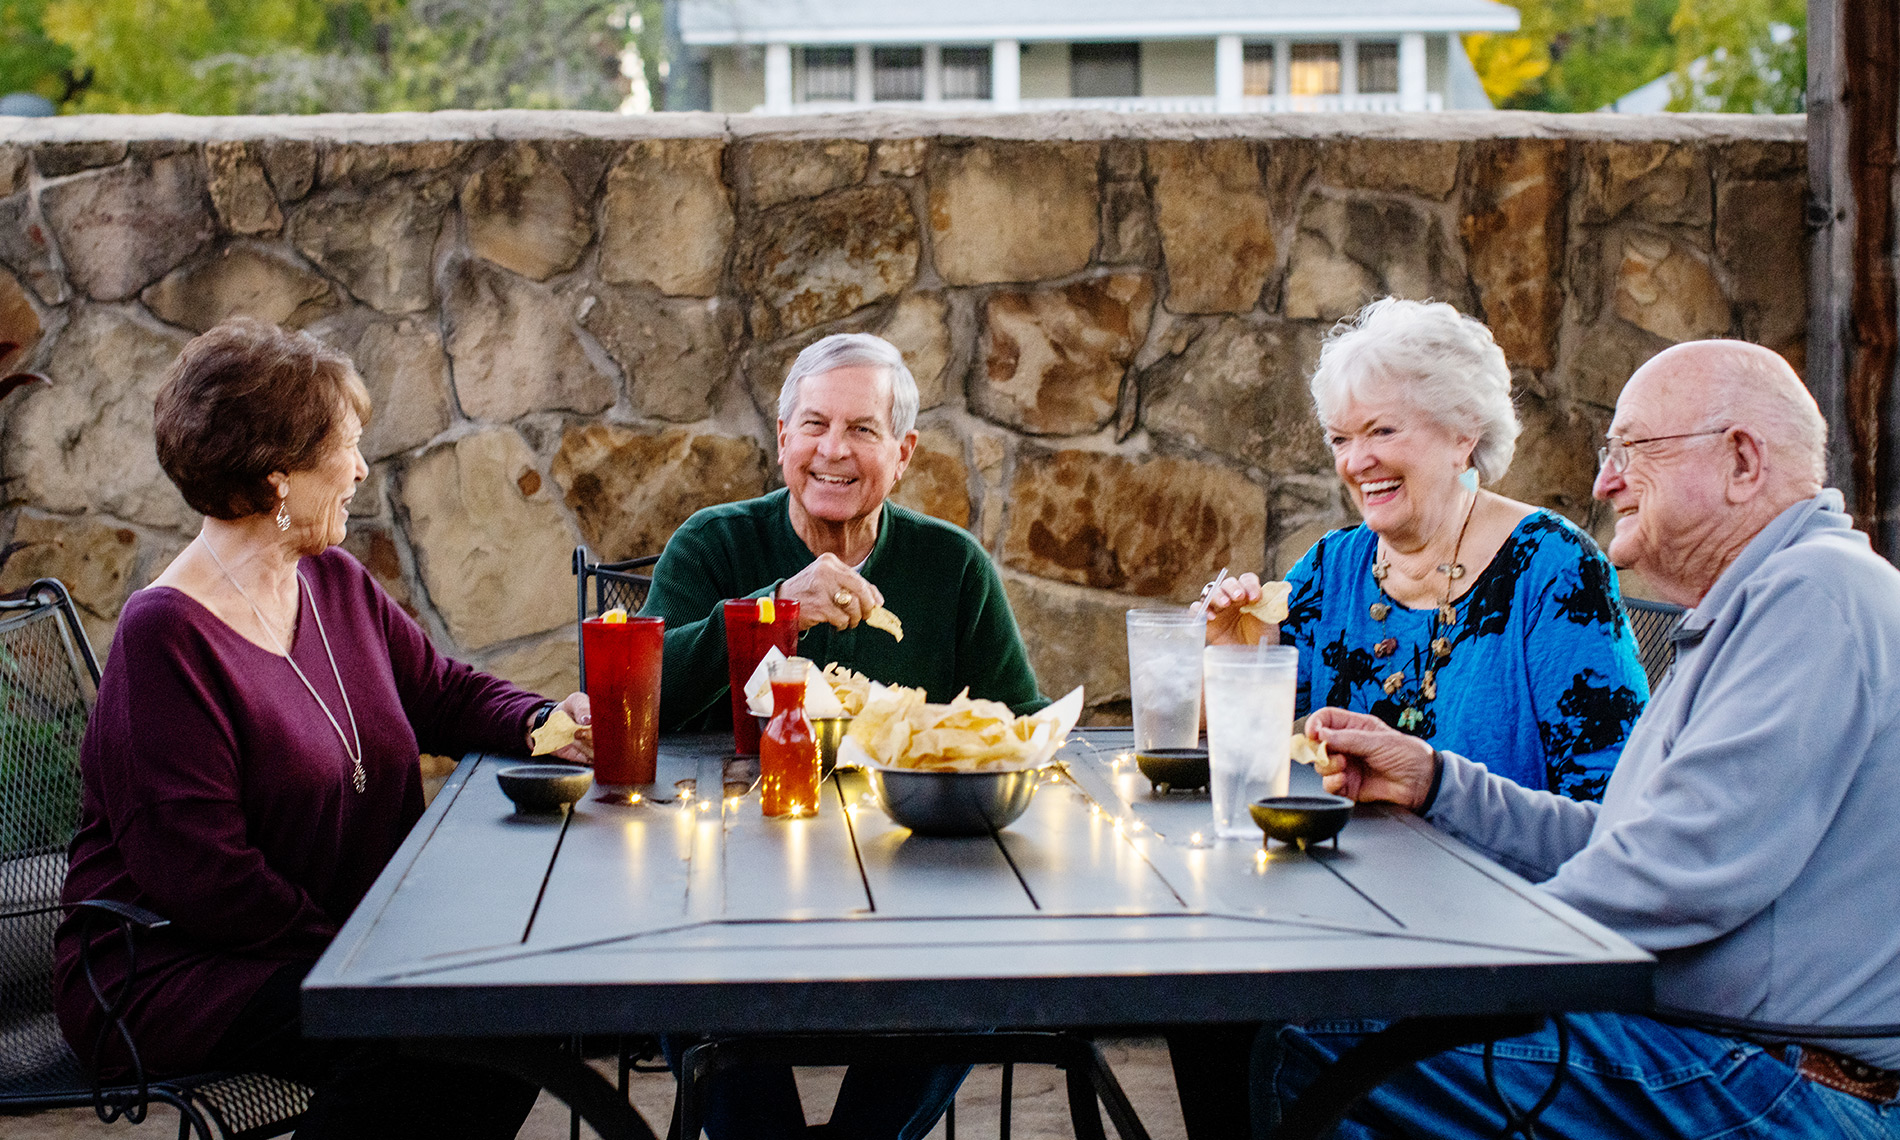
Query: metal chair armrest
x,y
130,921
139,917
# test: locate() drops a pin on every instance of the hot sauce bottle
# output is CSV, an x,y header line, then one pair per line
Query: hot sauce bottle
x,y
788,749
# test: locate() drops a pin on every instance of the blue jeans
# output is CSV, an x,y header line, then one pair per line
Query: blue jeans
x,y
876,1102
1627,1077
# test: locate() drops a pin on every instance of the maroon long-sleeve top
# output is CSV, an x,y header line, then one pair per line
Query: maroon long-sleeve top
x,y
217,794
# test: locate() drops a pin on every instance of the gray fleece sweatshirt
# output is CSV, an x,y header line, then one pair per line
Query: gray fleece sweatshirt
x,y
1750,836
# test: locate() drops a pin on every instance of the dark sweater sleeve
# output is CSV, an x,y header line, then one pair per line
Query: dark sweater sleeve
x,y
453,707
991,659
690,595
171,783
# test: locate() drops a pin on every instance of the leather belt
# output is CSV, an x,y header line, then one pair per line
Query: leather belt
x,y
1845,1074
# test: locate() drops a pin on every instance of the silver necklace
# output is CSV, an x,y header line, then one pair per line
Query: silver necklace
x,y
357,778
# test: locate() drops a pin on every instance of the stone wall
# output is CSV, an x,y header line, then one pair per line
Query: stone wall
x,y
574,326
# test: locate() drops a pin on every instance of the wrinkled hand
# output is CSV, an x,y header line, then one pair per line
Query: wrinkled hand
x,y
582,750
1367,759
1226,625
818,587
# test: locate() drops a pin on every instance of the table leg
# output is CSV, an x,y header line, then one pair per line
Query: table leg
x,y
566,1076
1366,1065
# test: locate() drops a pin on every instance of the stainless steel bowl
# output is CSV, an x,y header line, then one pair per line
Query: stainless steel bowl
x,y
544,787
830,732
954,803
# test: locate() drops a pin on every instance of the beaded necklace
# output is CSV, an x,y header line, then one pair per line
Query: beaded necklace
x,y
1442,620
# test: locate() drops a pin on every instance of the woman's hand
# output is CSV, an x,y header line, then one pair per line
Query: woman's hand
x,y
1367,759
1226,625
828,591
581,710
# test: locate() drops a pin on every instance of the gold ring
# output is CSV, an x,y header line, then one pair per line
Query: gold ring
x,y
842,598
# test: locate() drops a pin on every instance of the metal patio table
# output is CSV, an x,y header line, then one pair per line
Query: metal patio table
x,y
690,913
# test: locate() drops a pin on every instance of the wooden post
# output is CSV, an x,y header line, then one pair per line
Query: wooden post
x,y
1854,312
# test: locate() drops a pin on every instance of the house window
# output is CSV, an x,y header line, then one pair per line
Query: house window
x,y
966,73
1104,71
828,75
1379,68
1256,69
897,73
1314,70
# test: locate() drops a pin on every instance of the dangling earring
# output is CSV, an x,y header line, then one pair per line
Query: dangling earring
x,y
283,513
1468,479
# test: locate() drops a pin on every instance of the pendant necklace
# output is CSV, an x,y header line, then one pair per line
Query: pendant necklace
x,y
1442,620
357,778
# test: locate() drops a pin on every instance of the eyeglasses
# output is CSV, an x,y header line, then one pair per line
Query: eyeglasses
x,y
1615,453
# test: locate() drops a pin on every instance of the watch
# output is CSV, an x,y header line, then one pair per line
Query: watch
x,y
541,715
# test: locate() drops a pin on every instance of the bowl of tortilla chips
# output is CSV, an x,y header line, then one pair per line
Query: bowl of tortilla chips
x,y
967,768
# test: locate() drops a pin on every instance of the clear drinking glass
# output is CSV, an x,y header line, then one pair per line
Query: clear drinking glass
x,y
1164,676
1249,726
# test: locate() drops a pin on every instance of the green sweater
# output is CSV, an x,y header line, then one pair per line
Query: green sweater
x,y
958,631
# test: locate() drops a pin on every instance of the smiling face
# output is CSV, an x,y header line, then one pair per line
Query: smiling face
x,y
319,496
1399,465
839,453
1673,490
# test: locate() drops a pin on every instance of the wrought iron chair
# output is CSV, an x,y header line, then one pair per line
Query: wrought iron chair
x,y
48,680
1655,624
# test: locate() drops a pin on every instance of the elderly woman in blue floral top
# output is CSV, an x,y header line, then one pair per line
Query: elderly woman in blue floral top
x,y
1452,613
1487,626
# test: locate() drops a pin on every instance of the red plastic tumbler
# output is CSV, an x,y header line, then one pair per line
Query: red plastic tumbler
x,y
754,625
623,686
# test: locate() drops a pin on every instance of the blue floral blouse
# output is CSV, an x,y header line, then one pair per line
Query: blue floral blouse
x,y
1543,680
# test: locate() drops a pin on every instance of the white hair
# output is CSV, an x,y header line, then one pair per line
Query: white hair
x,y
843,350
1444,362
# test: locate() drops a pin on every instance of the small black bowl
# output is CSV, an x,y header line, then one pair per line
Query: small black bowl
x,y
544,787
1174,769
1301,820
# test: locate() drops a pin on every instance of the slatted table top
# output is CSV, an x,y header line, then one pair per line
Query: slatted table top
x,y
694,913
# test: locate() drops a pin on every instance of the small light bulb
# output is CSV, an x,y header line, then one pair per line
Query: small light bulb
x,y
705,805
636,798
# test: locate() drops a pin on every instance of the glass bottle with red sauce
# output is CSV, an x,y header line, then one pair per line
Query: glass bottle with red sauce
x,y
788,749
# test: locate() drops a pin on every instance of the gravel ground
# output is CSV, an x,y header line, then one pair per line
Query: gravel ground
x,y
1040,1107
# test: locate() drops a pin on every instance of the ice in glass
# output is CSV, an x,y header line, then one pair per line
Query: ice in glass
x,y
1164,676
1249,728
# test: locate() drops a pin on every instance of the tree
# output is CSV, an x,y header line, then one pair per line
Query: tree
x,y
1575,55
1741,55
29,59
301,56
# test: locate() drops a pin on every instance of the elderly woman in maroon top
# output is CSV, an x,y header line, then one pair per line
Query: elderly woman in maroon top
x,y
251,764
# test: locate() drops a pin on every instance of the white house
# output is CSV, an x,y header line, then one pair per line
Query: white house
x,y
783,56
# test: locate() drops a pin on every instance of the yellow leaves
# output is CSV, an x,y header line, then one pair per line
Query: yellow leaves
x,y
1506,64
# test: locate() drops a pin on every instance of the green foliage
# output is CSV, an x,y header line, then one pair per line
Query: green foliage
x,y
29,60
1596,51
292,56
39,769
1579,55
1741,55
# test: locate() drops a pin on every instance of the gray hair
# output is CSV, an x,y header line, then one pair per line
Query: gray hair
x,y
1446,364
843,350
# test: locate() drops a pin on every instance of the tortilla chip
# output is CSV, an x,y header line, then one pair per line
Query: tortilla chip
x,y
851,687
1271,607
555,733
898,729
881,618
1306,750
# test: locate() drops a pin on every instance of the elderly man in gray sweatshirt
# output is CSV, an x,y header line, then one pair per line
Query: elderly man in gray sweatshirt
x,y
1750,836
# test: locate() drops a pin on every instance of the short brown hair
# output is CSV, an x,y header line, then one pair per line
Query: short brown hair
x,y
246,399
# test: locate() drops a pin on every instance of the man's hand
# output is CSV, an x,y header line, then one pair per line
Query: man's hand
x,y
581,751
1367,759
1226,625
829,591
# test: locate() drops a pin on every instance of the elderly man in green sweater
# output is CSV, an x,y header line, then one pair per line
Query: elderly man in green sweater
x,y
832,542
